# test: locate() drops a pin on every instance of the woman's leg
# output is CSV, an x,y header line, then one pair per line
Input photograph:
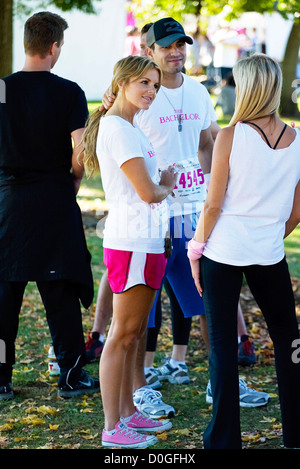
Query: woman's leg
x,y
181,326
130,314
272,289
221,289
152,334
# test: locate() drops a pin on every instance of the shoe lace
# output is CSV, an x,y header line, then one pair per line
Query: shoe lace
x,y
243,385
144,418
151,396
129,433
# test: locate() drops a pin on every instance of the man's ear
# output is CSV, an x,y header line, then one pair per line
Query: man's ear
x,y
52,48
149,52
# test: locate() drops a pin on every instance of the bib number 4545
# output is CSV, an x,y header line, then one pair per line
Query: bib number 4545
x,y
190,178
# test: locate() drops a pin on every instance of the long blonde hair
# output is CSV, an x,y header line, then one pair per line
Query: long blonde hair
x,y
258,80
124,70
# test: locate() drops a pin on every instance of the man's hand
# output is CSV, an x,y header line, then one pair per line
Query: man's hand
x,y
107,100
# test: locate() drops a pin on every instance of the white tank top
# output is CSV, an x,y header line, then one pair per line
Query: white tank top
x,y
258,201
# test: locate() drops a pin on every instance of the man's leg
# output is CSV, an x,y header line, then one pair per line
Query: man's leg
x,y
11,297
63,313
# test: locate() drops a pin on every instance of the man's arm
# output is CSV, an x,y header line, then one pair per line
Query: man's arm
x,y
77,158
107,100
205,150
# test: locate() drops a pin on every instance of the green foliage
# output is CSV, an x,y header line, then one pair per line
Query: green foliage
x,y
155,9
24,7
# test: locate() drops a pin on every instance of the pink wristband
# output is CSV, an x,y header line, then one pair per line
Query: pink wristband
x,y
195,249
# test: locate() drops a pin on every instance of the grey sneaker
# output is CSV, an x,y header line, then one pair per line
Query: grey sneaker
x,y
177,375
248,397
149,403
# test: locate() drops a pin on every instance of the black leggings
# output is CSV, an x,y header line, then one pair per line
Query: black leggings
x,y
63,313
272,290
181,326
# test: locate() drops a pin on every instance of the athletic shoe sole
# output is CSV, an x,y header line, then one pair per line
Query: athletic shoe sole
x,y
209,400
77,392
144,444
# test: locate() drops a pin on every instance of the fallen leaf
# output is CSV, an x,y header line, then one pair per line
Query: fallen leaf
x,y
6,427
53,427
32,420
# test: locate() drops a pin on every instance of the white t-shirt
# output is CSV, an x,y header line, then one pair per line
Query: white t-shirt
x,y
258,201
160,124
132,224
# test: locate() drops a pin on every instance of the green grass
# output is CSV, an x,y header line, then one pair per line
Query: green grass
x,y
37,418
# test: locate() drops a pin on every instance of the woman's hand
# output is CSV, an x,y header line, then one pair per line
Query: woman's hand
x,y
195,268
168,178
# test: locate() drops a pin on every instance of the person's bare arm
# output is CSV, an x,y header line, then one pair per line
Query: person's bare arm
x,y
77,163
205,150
216,192
294,219
136,171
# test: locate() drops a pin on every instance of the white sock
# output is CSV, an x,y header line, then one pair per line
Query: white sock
x,y
126,419
175,363
110,432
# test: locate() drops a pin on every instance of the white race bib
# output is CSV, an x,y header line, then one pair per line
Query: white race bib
x,y
190,186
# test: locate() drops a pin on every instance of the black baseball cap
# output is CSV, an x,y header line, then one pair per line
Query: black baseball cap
x,y
166,31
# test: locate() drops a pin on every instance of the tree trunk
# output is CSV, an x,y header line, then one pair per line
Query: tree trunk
x,y
6,37
288,107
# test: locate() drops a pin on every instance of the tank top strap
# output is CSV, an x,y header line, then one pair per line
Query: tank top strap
x,y
266,138
279,138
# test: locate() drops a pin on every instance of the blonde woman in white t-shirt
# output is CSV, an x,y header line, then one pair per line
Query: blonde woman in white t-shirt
x,y
133,241
253,202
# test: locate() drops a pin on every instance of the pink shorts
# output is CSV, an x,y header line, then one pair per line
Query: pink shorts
x,y
127,269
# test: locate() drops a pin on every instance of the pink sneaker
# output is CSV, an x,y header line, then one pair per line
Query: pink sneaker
x,y
140,422
124,437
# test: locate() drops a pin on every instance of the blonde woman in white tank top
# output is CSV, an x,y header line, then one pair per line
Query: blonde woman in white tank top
x,y
253,203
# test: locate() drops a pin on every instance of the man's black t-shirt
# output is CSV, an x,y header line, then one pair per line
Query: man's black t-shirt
x,y
41,111
41,232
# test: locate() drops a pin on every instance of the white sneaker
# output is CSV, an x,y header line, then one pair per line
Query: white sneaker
x,y
149,403
248,397
152,378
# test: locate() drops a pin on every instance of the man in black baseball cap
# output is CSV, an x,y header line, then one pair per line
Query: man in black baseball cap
x,y
166,31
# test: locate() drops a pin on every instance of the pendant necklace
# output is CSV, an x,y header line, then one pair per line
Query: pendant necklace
x,y
179,116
